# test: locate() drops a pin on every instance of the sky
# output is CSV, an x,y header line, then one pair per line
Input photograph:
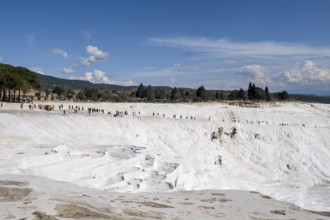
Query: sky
x,y
282,44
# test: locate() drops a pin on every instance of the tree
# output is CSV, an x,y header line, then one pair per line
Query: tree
x,y
267,94
70,93
217,95
91,94
259,94
250,91
241,94
81,95
123,97
12,83
140,91
201,93
220,95
253,92
160,94
59,90
150,94
157,93
188,95
16,79
284,96
175,94
233,95
25,87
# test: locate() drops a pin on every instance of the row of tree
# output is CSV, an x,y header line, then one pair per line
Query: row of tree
x,y
88,94
151,94
253,93
15,82
257,93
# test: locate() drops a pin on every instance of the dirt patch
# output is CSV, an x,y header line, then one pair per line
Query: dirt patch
x,y
224,200
205,207
141,214
321,213
278,212
154,205
266,197
211,200
43,216
125,201
186,203
8,194
12,183
218,194
79,212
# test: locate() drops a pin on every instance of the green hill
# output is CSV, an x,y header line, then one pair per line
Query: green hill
x,y
50,82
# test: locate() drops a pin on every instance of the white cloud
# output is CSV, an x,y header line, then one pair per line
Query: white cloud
x,y
38,70
254,68
59,52
1,58
224,47
125,83
95,54
68,70
98,76
87,61
256,73
307,73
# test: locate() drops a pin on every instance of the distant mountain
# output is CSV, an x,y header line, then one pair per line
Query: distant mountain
x,y
310,98
50,82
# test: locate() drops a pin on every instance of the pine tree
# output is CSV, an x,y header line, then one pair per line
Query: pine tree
x,y
175,94
267,94
140,91
253,92
201,93
241,94
150,94
217,95
250,91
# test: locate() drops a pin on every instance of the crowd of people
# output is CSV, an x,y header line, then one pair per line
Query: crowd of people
x,y
75,109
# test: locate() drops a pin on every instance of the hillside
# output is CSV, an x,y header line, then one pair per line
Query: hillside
x,y
50,82
310,98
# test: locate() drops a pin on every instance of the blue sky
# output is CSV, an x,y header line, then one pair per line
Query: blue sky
x,y
284,44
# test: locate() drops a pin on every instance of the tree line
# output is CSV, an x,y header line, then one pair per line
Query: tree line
x,y
253,93
154,94
15,82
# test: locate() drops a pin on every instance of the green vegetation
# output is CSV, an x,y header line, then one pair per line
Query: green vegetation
x,y
15,82
201,94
